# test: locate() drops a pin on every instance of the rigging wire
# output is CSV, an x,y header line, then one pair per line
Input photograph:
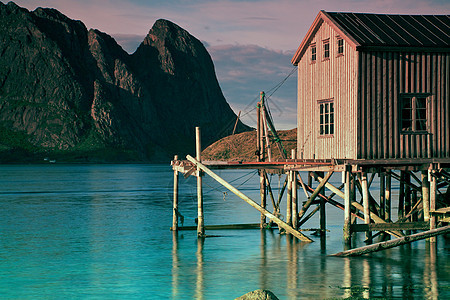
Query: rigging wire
x,y
272,91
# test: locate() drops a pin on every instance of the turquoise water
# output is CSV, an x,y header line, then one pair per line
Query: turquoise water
x,y
102,232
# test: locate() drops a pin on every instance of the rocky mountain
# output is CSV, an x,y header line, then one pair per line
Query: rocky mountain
x,y
74,94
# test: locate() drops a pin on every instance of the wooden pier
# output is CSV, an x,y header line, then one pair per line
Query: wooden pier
x,y
369,103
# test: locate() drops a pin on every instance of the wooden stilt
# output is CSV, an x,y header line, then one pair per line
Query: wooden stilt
x,y
425,196
433,190
388,197
255,205
289,200
358,206
365,191
323,216
200,218
382,194
175,198
401,196
294,194
353,195
347,211
407,203
262,192
258,133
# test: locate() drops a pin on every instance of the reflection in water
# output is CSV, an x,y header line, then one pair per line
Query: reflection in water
x,y
366,279
430,274
263,278
200,276
292,266
175,265
346,285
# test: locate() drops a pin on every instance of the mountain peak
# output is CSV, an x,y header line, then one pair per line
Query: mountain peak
x,y
68,91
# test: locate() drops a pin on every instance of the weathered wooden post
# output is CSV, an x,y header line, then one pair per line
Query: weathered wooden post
x,y
382,194
365,191
261,156
289,200
425,196
322,212
347,208
258,132
401,196
262,191
433,190
175,198
294,194
200,218
388,198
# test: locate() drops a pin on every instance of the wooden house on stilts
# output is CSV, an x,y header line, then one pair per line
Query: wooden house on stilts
x,y
374,92
373,100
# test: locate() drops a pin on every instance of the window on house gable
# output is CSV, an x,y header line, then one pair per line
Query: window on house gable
x,y
340,46
414,113
326,117
326,49
313,53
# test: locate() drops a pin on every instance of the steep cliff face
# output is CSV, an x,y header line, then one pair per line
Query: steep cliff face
x,y
71,92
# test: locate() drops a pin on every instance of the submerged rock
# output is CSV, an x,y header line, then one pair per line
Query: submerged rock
x,y
258,295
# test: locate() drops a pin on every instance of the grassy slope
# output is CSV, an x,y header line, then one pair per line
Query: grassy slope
x,y
242,147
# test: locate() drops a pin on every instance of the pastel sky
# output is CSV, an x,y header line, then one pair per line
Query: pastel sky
x,y
251,41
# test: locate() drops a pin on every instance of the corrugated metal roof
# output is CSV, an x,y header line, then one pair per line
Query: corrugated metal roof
x,y
395,30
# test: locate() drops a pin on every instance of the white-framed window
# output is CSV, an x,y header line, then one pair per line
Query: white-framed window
x,y
340,46
313,53
414,112
326,49
326,117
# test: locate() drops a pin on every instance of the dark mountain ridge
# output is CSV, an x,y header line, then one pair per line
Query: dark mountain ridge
x,y
76,95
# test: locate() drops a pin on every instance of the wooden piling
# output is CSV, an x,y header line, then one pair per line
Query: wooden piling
x,y
200,218
262,191
401,196
347,207
255,205
294,195
433,190
382,194
323,215
289,200
388,198
358,206
365,191
425,196
175,198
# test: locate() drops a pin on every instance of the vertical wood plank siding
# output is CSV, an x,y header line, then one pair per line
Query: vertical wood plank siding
x,y
384,76
366,87
325,79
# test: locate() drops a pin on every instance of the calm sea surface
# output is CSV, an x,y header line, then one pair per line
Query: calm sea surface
x,y
102,232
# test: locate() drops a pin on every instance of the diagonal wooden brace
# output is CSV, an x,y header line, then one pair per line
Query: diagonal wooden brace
x,y
238,193
358,206
314,195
